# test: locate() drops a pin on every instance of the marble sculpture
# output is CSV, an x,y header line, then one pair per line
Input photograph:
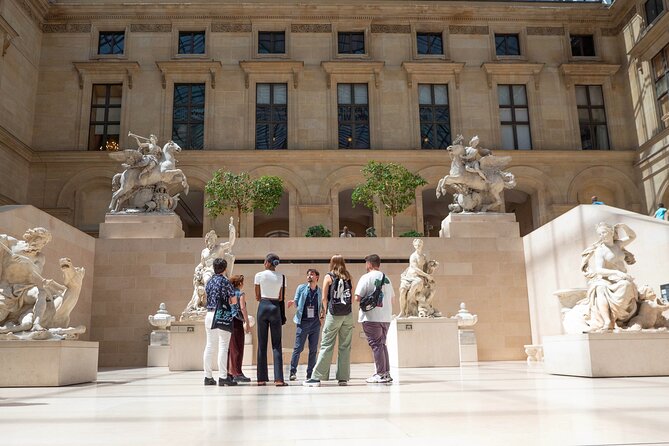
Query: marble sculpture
x,y
32,307
148,179
196,308
612,301
477,177
417,285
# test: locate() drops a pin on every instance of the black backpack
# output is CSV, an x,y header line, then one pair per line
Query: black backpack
x,y
339,296
371,301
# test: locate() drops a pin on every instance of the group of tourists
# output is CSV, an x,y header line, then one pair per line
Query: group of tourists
x,y
329,305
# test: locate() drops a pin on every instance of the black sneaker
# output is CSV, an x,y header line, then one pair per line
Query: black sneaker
x,y
311,383
242,379
292,377
342,382
226,382
209,382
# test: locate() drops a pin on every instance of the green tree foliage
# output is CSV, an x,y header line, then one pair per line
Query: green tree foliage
x,y
411,233
232,191
318,231
389,187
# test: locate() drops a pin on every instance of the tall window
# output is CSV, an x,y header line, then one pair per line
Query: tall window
x,y
191,42
583,46
105,124
507,45
592,117
514,117
435,123
111,42
271,116
661,76
188,116
351,43
353,114
429,43
653,9
271,42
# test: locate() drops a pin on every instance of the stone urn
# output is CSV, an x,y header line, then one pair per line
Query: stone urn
x,y
162,319
465,318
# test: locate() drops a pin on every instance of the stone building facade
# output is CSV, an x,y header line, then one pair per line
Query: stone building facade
x,y
284,88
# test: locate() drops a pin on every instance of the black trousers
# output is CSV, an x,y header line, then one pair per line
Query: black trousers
x,y
269,321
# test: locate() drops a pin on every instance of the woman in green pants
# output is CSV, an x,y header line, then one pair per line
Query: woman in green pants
x,y
338,322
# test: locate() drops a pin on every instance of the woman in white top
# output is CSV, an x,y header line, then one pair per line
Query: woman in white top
x,y
269,289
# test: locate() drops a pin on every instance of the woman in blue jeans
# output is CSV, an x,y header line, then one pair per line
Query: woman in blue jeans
x,y
269,290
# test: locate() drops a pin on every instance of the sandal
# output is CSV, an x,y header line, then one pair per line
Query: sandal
x,y
280,383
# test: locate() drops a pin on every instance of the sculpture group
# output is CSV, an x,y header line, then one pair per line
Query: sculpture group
x,y
477,177
612,301
417,285
32,307
148,179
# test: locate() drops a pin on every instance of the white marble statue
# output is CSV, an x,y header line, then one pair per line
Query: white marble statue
x,y
196,308
612,301
417,285
477,177
149,174
464,317
32,307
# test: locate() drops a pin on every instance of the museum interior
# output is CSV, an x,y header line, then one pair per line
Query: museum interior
x,y
508,161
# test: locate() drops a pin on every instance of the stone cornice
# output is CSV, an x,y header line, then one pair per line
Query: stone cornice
x,y
595,73
432,67
189,66
13,143
652,39
495,69
7,34
291,67
118,67
36,10
374,68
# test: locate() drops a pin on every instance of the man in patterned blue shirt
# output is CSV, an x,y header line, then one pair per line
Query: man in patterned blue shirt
x,y
218,289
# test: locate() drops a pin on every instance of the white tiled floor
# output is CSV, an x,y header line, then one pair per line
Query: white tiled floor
x,y
497,403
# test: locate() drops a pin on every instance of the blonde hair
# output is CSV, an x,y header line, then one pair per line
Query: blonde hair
x,y
338,267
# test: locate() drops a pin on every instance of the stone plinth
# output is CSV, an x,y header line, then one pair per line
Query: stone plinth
x,y
140,225
468,346
47,363
597,355
187,341
423,342
479,225
158,356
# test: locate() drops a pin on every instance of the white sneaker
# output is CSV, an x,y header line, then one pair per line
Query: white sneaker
x,y
311,383
377,379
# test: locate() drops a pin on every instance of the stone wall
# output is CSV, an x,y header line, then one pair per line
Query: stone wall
x,y
553,258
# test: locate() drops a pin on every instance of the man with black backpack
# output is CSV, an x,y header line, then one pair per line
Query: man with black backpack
x,y
375,294
337,298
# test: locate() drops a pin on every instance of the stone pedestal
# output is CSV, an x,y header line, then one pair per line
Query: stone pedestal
x,y
479,225
597,355
47,363
423,342
187,341
159,351
468,346
141,225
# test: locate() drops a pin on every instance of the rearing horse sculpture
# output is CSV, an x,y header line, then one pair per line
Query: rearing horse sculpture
x,y
477,177
164,171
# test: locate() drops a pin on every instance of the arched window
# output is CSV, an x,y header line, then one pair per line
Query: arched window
x,y
357,219
434,211
275,224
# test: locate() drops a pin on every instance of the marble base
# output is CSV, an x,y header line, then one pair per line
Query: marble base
x,y
597,355
187,341
423,342
468,346
141,226
479,225
47,363
158,356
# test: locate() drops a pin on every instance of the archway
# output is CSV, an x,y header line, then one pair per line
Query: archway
x,y
520,203
191,211
92,202
357,219
277,224
434,211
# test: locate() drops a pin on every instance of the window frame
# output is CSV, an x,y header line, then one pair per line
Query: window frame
x,y
664,52
352,139
592,124
514,123
176,34
647,22
272,33
101,33
430,29
189,107
573,36
351,28
111,28
105,122
507,35
271,106
434,107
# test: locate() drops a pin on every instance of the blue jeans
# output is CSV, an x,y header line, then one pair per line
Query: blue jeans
x,y
307,330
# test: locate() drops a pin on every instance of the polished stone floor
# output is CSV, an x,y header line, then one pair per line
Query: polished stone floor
x,y
496,403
